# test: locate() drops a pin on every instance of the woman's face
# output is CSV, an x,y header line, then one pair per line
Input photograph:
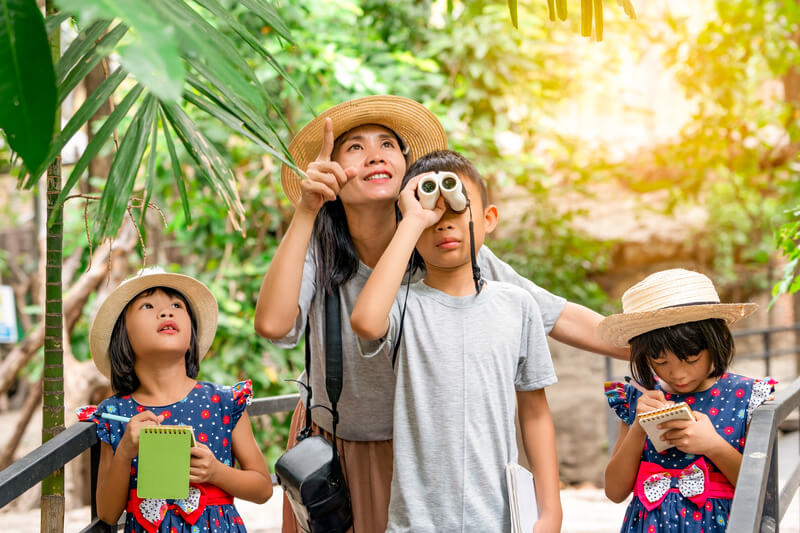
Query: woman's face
x,y
375,154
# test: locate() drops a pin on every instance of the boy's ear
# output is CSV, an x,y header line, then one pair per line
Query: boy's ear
x,y
490,218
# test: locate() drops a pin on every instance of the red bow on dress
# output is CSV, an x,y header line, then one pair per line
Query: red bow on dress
x,y
653,482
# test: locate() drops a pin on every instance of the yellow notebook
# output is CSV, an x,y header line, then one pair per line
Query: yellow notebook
x,y
650,421
164,461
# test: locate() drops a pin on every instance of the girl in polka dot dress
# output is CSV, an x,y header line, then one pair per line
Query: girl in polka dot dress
x,y
148,337
681,348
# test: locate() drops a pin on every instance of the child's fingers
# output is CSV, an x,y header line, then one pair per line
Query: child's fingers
x,y
675,424
655,395
412,183
199,450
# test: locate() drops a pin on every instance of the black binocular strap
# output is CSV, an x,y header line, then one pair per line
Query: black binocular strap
x,y
399,338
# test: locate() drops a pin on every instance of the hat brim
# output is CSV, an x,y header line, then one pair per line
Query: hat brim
x,y
418,128
200,299
618,329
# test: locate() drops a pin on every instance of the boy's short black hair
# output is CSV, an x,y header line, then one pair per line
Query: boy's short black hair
x,y
683,340
448,160
120,352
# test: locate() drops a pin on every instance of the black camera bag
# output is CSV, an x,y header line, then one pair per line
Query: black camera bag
x,y
310,473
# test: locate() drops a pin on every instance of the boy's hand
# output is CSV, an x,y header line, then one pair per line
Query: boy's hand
x,y
129,445
325,177
411,208
698,437
203,465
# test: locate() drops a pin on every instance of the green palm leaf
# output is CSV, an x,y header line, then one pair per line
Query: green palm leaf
x,y
176,170
27,81
86,111
267,12
122,175
208,159
98,141
78,48
90,60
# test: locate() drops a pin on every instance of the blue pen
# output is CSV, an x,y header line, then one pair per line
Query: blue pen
x,y
87,412
119,418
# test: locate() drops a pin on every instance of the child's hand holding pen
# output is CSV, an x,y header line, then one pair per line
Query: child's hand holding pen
x,y
129,445
650,400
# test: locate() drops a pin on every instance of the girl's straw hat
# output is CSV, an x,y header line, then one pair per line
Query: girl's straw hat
x,y
200,298
668,298
417,127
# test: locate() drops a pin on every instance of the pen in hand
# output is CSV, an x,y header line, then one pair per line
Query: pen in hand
x,y
635,384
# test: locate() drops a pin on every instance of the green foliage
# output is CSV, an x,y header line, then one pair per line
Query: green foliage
x,y
27,81
164,45
735,154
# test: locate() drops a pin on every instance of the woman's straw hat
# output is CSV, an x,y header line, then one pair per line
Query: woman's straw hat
x,y
668,298
200,298
417,127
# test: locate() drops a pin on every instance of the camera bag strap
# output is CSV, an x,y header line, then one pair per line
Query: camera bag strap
x,y
333,365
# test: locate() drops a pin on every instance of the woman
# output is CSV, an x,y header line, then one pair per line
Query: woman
x,y
355,155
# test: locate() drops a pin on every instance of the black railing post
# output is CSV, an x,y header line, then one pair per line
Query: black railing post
x,y
767,348
770,517
94,461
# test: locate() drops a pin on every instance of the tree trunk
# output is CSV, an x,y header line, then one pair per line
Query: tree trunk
x,y
52,518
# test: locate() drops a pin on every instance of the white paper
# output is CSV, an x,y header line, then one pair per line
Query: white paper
x,y
521,498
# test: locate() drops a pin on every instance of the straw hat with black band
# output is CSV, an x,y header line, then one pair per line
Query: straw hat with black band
x,y
200,299
418,129
665,299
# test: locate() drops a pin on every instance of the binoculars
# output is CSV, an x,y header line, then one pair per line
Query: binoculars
x,y
448,185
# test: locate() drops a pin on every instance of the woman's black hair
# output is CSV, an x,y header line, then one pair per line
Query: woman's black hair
x,y
337,258
120,352
683,340
440,161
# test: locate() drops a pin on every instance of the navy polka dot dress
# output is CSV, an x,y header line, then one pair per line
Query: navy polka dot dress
x,y
729,404
212,411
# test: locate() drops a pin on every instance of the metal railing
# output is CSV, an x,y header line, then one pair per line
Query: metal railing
x,y
758,503
64,447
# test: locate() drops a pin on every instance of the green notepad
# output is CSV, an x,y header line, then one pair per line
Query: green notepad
x,y
164,462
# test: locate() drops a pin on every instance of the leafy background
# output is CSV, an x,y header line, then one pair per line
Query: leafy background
x,y
501,94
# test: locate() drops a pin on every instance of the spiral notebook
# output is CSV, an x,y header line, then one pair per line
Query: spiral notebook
x,y
521,498
164,454
651,419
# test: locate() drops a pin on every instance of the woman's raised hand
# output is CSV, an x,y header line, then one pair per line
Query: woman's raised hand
x,y
129,445
412,209
325,177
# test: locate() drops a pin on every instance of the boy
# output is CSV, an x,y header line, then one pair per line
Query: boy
x,y
467,353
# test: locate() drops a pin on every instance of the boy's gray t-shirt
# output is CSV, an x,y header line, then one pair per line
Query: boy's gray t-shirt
x,y
365,405
460,363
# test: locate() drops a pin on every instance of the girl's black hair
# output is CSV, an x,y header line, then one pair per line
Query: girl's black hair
x,y
440,161
120,352
683,340
337,258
